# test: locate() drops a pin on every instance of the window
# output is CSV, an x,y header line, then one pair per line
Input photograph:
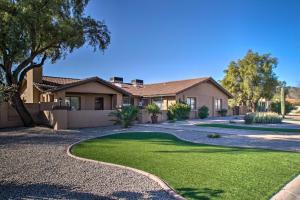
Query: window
x,y
99,103
126,101
157,101
218,104
73,102
191,101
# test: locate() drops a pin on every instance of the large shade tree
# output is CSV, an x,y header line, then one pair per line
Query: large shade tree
x,y
34,31
251,78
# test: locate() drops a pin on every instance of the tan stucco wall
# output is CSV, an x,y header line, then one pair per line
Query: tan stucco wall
x,y
205,94
89,118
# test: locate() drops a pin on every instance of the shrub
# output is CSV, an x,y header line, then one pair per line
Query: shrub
x,y
222,112
276,107
125,115
263,118
214,135
153,109
249,118
179,111
203,112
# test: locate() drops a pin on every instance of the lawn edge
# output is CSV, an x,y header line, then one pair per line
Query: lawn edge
x,y
165,186
288,190
281,194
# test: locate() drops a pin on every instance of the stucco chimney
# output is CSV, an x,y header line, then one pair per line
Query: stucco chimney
x,y
33,76
116,79
137,82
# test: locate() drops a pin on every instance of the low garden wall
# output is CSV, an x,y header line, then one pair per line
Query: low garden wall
x,y
10,118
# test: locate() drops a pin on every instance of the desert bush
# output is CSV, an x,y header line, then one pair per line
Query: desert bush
x,y
262,118
153,109
179,111
276,107
222,112
125,115
203,112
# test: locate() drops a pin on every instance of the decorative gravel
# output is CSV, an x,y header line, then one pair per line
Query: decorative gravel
x,y
35,165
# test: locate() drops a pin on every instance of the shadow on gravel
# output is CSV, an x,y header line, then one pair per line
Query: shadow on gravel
x,y
41,191
201,194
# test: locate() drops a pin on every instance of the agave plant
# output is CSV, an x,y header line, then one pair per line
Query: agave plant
x,y
125,115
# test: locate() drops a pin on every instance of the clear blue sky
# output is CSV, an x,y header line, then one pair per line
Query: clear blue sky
x,y
161,40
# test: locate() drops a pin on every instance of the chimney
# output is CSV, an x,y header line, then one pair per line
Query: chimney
x,y
137,82
116,79
33,76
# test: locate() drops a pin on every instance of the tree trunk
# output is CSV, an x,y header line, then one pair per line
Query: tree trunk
x,y
18,104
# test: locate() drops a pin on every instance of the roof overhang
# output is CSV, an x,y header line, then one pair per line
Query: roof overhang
x,y
88,80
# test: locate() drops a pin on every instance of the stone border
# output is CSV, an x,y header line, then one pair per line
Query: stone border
x,y
289,190
168,189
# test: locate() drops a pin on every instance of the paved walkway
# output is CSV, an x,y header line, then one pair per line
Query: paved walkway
x,y
35,165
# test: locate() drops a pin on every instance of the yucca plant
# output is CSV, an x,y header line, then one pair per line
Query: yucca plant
x,y
153,109
125,115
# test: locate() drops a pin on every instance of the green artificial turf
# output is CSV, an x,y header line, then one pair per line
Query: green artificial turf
x,y
250,128
197,171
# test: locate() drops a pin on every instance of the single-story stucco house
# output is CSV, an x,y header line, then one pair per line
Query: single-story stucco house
x,y
196,92
76,103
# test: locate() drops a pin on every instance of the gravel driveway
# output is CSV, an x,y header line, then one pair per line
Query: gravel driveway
x,y
35,165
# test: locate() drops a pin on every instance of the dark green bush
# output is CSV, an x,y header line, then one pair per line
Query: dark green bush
x,y
125,115
276,107
249,118
203,112
222,112
179,111
214,135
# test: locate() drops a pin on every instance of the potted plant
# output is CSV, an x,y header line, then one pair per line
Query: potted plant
x,y
153,109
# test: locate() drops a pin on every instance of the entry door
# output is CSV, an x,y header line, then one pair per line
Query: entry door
x,y
99,103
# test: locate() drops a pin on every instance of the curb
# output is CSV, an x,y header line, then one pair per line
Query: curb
x,y
168,189
288,192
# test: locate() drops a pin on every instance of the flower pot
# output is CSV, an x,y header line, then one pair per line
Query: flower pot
x,y
154,119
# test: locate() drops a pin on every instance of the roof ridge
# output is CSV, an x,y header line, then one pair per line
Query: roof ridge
x,y
62,77
203,78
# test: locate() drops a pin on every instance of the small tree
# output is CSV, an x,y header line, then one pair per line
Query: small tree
x,y
154,110
32,32
125,115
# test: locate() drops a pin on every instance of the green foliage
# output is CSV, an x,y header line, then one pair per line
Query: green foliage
x,y
125,115
222,112
203,112
251,78
214,135
276,107
262,118
32,32
153,109
179,111
181,164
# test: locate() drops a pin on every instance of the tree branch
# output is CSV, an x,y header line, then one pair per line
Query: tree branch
x,y
34,65
27,61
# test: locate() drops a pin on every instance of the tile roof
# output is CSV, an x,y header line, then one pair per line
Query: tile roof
x,y
56,81
169,88
53,84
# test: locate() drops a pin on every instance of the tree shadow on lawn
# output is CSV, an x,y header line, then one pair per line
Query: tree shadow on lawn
x,y
54,191
201,194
